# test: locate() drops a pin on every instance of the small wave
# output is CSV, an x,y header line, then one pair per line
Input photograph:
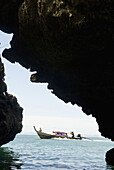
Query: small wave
x,y
73,139
84,139
61,139
96,140
89,140
99,140
57,166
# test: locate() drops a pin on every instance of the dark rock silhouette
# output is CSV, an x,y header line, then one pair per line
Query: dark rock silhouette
x,y
10,112
110,157
70,45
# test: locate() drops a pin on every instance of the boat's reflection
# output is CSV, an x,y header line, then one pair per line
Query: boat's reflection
x,y
9,159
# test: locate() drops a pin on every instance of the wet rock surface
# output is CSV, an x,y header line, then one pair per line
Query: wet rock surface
x,y
10,112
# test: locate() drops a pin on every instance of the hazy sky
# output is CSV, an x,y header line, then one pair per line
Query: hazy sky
x,y
41,108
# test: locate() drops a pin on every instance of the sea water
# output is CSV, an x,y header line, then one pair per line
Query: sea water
x,y
30,152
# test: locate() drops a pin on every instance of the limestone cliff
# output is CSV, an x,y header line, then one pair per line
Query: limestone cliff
x,y
70,45
10,112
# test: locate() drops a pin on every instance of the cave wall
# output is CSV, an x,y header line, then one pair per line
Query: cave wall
x,y
10,112
70,45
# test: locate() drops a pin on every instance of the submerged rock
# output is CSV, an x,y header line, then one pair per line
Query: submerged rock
x,y
10,112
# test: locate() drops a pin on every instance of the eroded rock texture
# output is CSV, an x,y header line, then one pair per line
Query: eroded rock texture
x,y
70,45
10,112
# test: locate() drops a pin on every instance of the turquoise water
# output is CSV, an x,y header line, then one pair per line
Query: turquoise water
x,y
30,152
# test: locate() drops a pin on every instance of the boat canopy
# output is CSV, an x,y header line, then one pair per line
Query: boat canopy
x,y
58,133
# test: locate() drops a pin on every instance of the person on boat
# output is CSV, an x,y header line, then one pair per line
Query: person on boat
x,y
40,130
79,136
72,134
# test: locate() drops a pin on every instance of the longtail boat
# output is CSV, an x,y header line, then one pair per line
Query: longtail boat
x,y
57,134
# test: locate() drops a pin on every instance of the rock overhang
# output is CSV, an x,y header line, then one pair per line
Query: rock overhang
x,y
70,45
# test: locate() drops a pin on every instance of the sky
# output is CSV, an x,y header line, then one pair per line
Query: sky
x,y
41,107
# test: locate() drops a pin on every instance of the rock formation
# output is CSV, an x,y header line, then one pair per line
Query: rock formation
x,y
110,157
10,112
70,45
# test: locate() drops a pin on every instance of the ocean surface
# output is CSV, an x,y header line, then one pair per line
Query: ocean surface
x,y
30,152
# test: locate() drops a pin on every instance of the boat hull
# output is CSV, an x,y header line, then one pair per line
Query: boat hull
x,y
43,135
